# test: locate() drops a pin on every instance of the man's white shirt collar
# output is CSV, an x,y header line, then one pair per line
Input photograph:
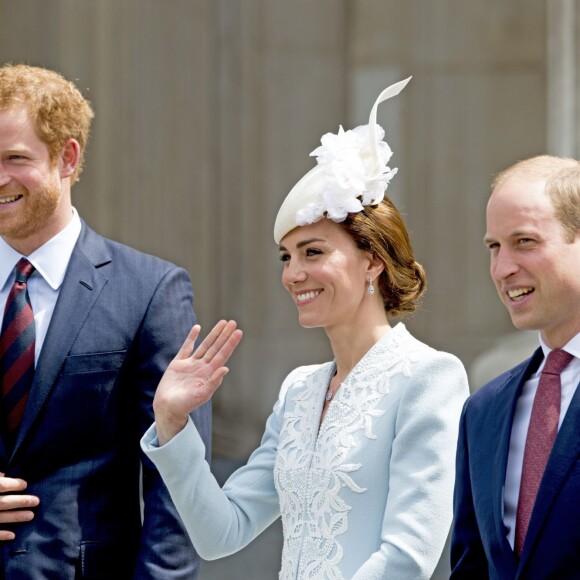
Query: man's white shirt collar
x,y
50,260
572,346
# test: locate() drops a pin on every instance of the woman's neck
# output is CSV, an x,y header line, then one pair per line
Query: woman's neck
x,y
350,343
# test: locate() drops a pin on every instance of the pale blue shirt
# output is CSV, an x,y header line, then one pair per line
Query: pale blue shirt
x,y
569,378
51,262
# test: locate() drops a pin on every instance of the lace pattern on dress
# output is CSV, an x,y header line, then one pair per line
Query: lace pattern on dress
x,y
311,467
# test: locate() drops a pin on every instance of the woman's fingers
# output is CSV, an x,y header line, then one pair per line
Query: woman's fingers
x,y
211,344
208,341
215,341
215,353
192,378
228,347
189,343
217,378
212,353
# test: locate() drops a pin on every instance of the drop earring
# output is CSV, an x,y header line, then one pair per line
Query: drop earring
x,y
371,288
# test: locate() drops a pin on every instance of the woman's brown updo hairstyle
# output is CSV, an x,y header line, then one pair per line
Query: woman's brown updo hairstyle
x,y
380,229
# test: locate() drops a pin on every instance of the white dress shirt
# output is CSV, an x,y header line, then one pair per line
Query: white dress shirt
x,y
569,378
51,261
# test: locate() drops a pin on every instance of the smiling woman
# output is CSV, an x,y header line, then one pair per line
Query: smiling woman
x,y
357,457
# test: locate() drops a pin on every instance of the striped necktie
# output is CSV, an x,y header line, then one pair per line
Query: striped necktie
x,y
16,351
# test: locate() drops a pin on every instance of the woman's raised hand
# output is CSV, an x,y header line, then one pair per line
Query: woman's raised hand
x,y
193,376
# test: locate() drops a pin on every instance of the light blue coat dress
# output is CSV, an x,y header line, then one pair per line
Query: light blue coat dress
x,y
365,495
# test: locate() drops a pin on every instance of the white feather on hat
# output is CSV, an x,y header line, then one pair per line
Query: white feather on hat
x,y
351,172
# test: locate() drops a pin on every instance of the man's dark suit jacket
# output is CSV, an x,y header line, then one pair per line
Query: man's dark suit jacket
x,y
120,318
479,547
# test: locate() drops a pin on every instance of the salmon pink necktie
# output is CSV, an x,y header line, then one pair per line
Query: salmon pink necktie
x,y
542,433
16,352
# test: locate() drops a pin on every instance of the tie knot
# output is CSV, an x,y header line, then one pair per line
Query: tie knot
x,y
23,270
556,361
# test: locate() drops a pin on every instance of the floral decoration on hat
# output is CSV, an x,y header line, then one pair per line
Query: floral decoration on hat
x,y
352,172
352,177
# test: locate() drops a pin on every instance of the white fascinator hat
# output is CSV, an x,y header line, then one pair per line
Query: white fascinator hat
x,y
351,172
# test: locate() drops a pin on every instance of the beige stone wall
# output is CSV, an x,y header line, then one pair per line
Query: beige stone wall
x,y
476,104
206,111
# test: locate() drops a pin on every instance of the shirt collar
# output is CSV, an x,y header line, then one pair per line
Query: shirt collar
x,y
572,346
8,259
50,260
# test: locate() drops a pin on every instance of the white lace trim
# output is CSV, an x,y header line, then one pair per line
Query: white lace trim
x,y
311,467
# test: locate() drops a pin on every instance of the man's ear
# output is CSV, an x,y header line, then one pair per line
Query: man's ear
x,y
69,158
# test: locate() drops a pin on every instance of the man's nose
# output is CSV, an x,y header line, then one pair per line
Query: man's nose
x,y
503,265
4,177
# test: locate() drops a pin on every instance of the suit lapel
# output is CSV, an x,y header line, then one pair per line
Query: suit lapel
x,y
80,290
563,457
505,405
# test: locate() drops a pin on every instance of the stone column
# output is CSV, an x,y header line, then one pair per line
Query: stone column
x,y
563,80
